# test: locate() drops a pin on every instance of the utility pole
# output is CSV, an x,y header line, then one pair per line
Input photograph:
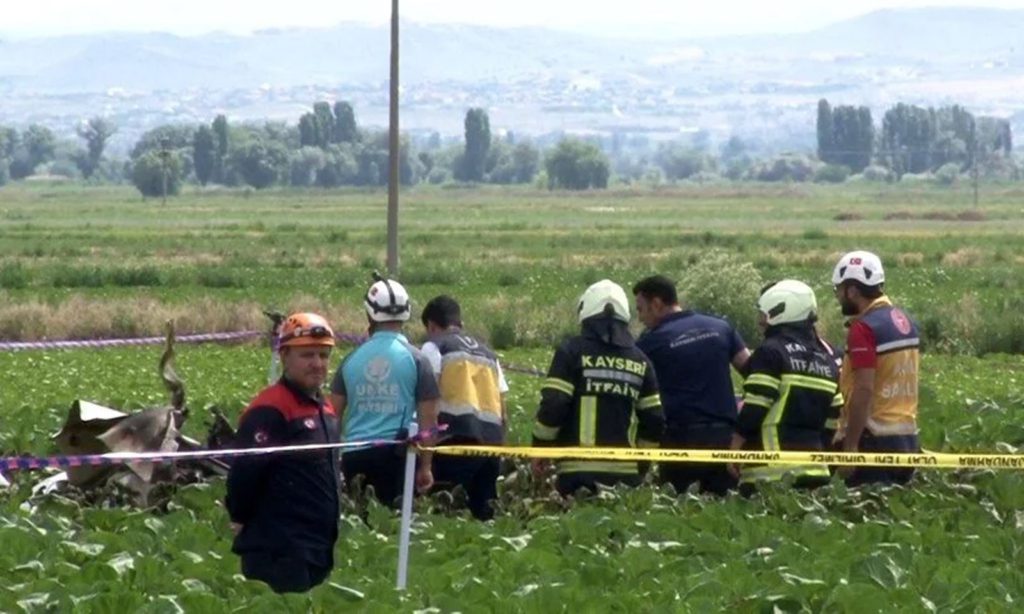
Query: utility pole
x,y
975,173
165,154
393,147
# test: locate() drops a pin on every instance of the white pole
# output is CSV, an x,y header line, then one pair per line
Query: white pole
x,y
403,536
274,373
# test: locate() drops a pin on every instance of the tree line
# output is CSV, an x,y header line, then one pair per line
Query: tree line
x,y
327,148
911,139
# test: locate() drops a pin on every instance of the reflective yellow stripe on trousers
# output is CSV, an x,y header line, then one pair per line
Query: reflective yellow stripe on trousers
x,y
588,421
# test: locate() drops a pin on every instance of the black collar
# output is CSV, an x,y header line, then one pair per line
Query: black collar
x,y
799,329
315,399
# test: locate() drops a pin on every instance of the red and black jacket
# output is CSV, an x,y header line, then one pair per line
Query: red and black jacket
x,y
286,502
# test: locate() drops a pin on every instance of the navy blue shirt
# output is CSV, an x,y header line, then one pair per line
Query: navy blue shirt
x,y
692,355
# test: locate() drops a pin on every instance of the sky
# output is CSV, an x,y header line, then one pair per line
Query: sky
x,y
678,18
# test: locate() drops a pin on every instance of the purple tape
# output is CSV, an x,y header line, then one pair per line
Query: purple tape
x,y
13,346
351,338
30,463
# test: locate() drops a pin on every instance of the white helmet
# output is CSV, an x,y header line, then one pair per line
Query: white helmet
x,y
861,266
387,301
788,301
600,295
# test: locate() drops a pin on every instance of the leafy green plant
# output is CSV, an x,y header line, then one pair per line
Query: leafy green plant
x,y
948,541
723,285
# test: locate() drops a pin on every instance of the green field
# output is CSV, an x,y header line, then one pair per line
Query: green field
x,y
83,262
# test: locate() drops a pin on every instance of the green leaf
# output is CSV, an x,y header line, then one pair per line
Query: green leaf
x,y
663,546
155,525
350,594
36,602
195,586
33,565
82,550
122,563
519,542
800,581
192,556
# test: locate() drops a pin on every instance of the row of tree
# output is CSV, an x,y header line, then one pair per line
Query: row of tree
x,y
22,153
912,139
327,148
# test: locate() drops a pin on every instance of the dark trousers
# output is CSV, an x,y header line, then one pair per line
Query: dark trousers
x,y
896,444
478,476
285,573
713,477
568,483
382,468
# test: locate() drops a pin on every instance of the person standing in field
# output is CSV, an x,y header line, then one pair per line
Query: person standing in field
x,y
879,376
472,403
284,507
380,388
692,355
598,383
791,395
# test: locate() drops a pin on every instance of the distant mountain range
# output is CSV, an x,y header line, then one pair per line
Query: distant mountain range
x,y
531,80
939,39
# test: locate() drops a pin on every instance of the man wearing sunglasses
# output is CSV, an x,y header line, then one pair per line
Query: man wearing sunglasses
x,y
284,506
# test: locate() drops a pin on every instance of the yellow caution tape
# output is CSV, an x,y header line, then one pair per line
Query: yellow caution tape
x,y
856,459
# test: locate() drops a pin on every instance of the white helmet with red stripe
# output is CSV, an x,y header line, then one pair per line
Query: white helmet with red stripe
x,y
859,266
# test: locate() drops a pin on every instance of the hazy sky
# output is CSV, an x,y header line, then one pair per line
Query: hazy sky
x,y
661,17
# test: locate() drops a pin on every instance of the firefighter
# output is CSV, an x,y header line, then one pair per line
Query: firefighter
x,y
694,355
284,507
598,383
791,397
879,376
380,388
472,403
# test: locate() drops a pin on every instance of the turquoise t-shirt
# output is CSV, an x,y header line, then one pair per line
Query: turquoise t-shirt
x,y
382,381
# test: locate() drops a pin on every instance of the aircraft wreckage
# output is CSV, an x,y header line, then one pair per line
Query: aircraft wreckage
x,y
91,428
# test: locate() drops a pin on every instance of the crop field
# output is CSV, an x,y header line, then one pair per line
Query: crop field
x,y
80,262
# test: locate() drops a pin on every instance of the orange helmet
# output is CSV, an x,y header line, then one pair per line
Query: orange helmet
x,y
306,329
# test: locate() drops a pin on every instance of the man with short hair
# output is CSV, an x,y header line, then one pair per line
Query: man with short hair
x,y
692,354
380,388
879,375
284,507
472,403
598,384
